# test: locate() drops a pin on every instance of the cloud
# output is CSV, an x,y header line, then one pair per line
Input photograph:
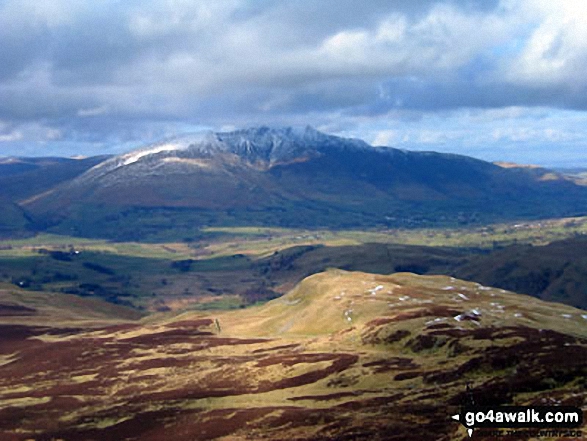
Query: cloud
x,y
111,73
93,111
555,52
12,136
385,137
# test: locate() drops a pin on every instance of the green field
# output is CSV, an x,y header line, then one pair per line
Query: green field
x,y
235,267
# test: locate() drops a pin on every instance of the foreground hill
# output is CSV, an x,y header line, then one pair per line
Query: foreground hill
x,y
296,178
342,356
55,310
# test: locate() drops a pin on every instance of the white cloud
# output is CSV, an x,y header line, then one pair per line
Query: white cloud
x,y
11,137
443,40
556,51
385,137
435,74
93,111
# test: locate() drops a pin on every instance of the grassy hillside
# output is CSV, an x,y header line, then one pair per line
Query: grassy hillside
x,y
13,221
343,356
55,309
335,301
556,272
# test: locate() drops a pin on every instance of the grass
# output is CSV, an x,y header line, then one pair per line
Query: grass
x,y
295,367
259,240
230,261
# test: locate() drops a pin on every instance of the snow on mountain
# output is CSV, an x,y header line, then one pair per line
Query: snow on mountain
x,y
258,145
134,157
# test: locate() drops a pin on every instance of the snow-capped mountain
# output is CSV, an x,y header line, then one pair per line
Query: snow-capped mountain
x,y
262,147
299,177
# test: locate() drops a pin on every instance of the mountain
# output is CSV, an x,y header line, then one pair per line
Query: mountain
x,y
13,220
22,178
294,178
343,356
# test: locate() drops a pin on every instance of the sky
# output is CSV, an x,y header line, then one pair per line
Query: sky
x,y
498,80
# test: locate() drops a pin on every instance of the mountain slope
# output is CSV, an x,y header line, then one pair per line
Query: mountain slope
x,y
343,356
12,218
555,272
40,308
21,178
293,178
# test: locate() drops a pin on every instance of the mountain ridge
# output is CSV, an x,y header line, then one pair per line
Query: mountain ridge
x,y
297,177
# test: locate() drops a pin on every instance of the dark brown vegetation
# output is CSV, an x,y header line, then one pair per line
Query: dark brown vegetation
x,y
395,374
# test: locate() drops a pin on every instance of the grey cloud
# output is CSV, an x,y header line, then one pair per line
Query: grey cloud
x,y
104,72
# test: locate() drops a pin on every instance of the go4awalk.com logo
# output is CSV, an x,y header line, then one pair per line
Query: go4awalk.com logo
x,y
520,417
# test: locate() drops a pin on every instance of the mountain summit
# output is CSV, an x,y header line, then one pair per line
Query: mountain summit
x,y
295,178
263,147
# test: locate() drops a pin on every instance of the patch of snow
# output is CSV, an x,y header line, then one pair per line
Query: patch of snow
x,y
404,298
499,306
472,314
462,296
566,316
584,316
518,315
436,320
190,161
446,288
373,291
134,157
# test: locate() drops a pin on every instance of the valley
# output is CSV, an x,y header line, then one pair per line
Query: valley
x,y
237,267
